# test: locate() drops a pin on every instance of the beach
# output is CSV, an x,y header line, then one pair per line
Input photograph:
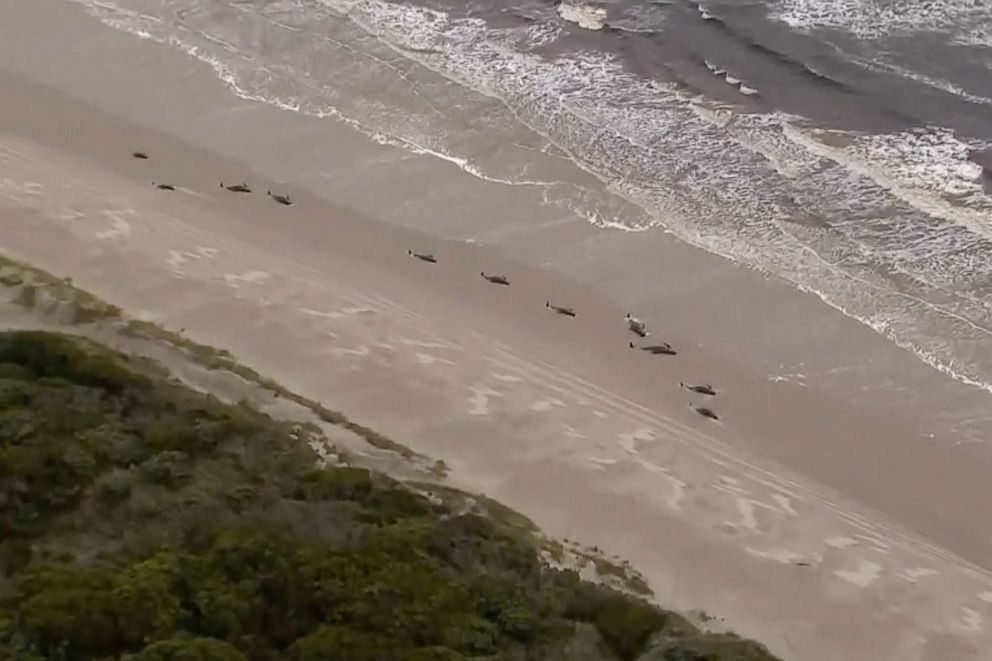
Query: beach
x,y
834,511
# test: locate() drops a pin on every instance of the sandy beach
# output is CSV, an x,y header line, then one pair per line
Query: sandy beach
x,y
827,527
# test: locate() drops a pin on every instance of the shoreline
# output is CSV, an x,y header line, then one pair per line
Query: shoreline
x,y
775,328
651,272
763,410
314,294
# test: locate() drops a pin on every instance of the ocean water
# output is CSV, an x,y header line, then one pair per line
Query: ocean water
x,y
842,145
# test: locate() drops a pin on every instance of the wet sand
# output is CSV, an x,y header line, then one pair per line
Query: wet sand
x,y
824,529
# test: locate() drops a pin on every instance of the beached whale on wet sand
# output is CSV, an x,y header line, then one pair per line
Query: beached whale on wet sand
x,y
702,389
423,256
280,198
636,326
496,279
663,349
568,312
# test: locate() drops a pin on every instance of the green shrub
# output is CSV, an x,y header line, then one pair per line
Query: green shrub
x,y
708,647
115,487
625,623
53,356
167,468
68,609
339,642
188,649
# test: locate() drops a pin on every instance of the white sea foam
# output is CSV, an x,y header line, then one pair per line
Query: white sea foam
x,y
585,16
938,83
979,35
637,17
872,19
924,168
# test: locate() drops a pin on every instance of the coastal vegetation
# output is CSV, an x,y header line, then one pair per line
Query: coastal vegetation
x,y
141,520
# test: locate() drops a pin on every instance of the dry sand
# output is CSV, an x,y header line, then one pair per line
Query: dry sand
x,y
824,530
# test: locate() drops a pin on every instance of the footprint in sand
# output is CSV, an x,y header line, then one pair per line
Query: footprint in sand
x,y
427,359
235,280
600,414
480,400
866,573
985,597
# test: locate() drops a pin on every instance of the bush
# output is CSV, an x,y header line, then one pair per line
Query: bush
x,y
53,356
626,624
115,488
704,647
338,642
188,649
68,610
167,468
